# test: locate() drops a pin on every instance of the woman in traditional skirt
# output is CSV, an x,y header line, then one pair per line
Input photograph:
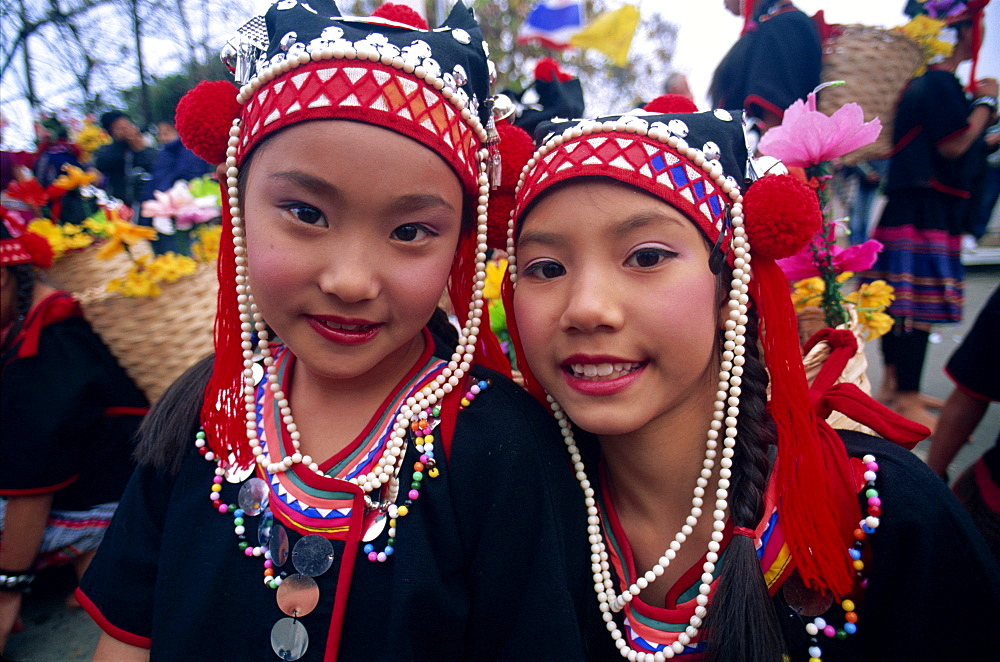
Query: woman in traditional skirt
x,y
927,188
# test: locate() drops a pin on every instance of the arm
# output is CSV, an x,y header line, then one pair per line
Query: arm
x,y
979,119
24,524
959,418
110,649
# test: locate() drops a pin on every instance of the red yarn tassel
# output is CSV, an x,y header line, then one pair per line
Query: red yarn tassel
x,y
817,505
530,382
223,416
463,274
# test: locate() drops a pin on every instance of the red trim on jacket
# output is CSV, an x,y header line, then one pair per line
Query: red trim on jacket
x,y
755,100
951,135
32,491
948,190
109,628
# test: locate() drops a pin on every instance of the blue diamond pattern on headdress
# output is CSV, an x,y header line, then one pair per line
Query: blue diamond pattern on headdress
x,y
659,163
678,175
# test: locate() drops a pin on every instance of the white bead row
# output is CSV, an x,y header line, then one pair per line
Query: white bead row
x,y
349,53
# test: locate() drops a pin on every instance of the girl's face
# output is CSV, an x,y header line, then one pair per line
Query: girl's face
x,y
616,307
351,232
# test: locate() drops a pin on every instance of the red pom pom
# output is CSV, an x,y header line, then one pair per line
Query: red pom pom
x,y
782,215
204,117
401,14
39,249
671,103
516,147
547,70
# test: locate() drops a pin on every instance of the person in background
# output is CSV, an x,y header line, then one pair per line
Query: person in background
x,y
868,175
56,152
677,83
174,162
127,161
973,367
928,187
68,414
776,60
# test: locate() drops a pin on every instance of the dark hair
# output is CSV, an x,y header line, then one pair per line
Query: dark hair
x,y
742,623
108,118
167,431
24,276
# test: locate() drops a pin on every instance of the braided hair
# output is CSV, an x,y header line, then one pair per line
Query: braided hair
x,y
742,623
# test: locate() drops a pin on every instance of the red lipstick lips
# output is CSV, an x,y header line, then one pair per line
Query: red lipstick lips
x,y
344,331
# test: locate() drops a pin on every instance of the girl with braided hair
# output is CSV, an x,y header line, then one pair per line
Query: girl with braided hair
x,y
727,520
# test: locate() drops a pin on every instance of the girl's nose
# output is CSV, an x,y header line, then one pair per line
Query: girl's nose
x,y
350,274
593,304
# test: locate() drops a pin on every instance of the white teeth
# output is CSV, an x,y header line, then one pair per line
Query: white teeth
x,y
347,327
602,370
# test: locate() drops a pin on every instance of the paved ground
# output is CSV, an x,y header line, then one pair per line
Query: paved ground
x,y
54,633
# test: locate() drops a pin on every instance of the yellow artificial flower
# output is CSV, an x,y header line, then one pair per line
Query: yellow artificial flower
x,y
924,30
205,248
122,235
494,278
60,240
877,324
89,138
808,292
74,177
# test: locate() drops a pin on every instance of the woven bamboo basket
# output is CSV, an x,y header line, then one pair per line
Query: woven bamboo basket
x,y
856,371
156,339
875,65
79,271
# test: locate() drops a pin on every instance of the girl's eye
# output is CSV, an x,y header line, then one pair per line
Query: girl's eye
x,y
545,269
411,232
306,213
644,258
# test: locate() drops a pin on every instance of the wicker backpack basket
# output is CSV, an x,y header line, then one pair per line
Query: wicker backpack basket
x,y
157,339
875,65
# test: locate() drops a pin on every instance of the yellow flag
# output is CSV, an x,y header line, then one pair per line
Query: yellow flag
x,y
611,33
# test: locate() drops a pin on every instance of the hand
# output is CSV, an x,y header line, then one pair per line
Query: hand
x,y
986,87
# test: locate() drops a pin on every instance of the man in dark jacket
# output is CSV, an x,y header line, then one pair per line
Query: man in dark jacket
x,y
127,161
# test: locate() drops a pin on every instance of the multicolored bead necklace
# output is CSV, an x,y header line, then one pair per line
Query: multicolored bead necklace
x,y
867,526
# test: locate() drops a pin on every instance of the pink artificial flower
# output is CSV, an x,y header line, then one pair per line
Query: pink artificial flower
x,y
853,258
807,137
179,204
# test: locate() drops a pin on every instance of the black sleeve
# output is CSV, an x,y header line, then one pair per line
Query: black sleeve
x,y
784,64
52,409
119,585
975,365
930,568
944,110
522,512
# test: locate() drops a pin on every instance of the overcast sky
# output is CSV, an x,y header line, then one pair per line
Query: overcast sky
x,y
706,31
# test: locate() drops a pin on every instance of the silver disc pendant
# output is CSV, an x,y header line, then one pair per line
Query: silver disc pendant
x,y
289,639
312,555
278,545
376,527
805,601
253,496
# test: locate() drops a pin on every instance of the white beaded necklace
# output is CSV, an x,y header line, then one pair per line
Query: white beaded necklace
x,y
251,320
725,415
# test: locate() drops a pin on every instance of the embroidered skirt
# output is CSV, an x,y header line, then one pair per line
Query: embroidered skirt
x,y
921,232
